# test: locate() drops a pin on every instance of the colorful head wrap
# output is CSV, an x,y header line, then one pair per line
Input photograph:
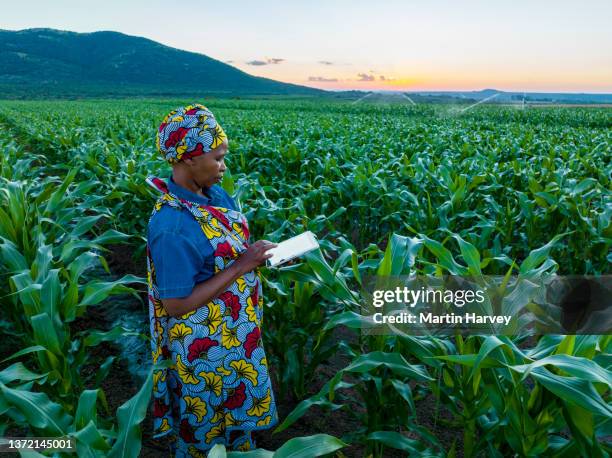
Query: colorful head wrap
x,y
188,132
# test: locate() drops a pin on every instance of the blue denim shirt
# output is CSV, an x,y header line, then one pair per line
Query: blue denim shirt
x,y
181,253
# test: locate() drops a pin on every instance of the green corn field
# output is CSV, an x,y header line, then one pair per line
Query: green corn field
x,y
388,190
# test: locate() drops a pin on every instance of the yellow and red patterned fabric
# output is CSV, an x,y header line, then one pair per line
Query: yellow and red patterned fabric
x,y
188,132
218,381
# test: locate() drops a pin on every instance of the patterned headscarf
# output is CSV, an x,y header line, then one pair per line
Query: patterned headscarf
x,y
188,132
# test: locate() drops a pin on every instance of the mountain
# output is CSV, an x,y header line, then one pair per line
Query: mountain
x,y
48,62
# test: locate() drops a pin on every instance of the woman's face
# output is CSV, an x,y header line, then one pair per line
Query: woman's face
x,y
208,169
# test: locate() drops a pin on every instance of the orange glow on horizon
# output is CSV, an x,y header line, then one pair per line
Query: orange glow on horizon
x,y
536,83
438,78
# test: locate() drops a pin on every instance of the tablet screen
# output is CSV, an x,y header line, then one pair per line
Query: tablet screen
x,y
293,248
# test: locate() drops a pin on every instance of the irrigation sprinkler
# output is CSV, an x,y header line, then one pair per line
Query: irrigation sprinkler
x,y
360,99
409,99
479,102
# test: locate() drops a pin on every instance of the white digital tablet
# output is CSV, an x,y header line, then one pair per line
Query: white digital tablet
x,y
292,248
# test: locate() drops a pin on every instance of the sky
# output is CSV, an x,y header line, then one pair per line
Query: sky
x,y
535,46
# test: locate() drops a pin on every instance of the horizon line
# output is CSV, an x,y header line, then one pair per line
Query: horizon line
x,y
452,91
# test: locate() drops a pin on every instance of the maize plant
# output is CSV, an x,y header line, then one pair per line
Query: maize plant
x,y
389,190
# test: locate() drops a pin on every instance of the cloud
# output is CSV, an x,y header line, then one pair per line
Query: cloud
x,y
326,62
365,77
322,79
229,61
268,61
385,78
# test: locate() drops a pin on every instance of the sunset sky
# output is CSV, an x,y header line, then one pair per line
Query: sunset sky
x,y
544,46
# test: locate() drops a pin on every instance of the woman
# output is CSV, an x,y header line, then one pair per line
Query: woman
x,y
211,384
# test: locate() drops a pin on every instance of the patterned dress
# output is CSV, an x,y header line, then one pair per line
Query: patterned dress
x,y
218,378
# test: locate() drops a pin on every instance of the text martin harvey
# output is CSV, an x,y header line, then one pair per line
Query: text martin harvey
x,y
449,318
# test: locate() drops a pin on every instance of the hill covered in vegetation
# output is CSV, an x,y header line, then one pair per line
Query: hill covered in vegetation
x,y
48,62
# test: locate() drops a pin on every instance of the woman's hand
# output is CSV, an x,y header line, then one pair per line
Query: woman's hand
x,y
207,290
254,256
